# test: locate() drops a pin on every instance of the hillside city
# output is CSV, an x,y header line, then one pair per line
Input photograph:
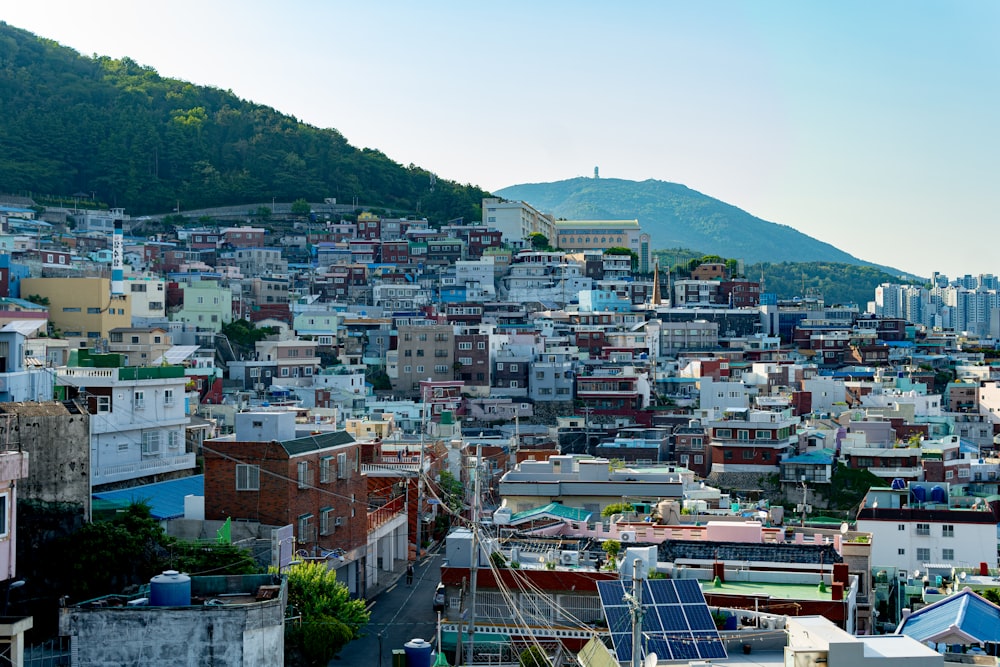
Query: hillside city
x,y
531,411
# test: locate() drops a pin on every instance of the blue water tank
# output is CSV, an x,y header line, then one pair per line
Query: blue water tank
x,y
898,483
919,494
418,653
938,495
170,589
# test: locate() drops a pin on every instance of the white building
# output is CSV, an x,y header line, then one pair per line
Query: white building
x,y
921,524
148,299
516,219
138,419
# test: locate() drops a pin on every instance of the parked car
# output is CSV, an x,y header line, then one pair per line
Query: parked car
x,y
439,599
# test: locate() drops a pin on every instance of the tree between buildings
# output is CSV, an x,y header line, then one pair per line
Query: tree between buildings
x,y
328,617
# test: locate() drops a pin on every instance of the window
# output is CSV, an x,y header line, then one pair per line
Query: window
x,y
923,555
284,371
901,552
305,477
71,310
420,369
743,434
3,515
723,433
699,459
174,440
168,396
324,469
151,443
901,526
247,477
306,529
103,404
500,366
747,454
139,400
342,469
93,311
327,521
923,529
465,346
947,555
947,531
762,435
441,368
513,368
465,361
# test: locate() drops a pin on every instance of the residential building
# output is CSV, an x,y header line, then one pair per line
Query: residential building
x,y
225,621
586,483
269,473
921,523
582,235
55,435
516,220
292,358
137,416
747,440
139,346
206,305
82,309
148,299
423,352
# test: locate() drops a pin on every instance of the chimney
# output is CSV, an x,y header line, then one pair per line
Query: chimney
x,y
840,573
837,591
117,251
719,570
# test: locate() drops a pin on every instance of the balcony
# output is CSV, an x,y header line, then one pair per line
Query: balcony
x,y
387,512
145,468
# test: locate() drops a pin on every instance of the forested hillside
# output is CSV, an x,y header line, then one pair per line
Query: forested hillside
x,y
146,143
836,283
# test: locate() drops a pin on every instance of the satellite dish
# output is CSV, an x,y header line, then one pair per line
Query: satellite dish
x,y
962,576
844,528
650,660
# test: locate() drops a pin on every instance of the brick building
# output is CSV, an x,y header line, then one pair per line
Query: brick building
x,y
268,473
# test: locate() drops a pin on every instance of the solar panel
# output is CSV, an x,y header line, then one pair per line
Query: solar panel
x,y
689,590
676,623
612,593
698,617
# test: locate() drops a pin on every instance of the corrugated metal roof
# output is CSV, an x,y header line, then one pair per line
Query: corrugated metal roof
x,y
556,510
166,499
960,619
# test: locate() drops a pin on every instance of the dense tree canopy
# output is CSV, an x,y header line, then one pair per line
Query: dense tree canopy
x,y
131,138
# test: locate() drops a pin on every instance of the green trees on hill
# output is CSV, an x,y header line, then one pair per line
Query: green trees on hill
x,y
148,143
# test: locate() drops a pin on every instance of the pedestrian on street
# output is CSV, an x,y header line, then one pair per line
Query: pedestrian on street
x,y
409,574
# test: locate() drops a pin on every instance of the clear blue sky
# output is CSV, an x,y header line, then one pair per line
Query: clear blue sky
x,y
869,125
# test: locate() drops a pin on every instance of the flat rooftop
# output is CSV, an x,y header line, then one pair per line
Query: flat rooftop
x,y
767,589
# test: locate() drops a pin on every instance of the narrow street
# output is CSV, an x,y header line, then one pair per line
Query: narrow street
x,y
398,615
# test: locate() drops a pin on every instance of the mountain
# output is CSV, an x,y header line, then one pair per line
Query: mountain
x,y
146,143
676,216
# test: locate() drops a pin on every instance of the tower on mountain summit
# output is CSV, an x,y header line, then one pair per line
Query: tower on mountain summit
x,y
596,174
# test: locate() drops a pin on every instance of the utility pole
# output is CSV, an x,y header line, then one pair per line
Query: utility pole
x,y
420,472
805,500
474,566
635,605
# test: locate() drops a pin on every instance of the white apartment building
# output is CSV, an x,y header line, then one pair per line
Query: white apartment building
x,y
137,420
516,219
148,297
921,525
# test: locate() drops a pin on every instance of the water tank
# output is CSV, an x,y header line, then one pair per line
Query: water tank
x,y
418,653
170,589
898,484
938,495
919,493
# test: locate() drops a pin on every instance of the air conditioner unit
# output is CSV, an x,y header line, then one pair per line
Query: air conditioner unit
x,y
767,622
570,558
627,536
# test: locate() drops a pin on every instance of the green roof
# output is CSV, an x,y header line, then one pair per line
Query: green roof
x,y
554,509
768,589
314,443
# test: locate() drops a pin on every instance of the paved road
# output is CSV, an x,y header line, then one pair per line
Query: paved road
x,y
399,614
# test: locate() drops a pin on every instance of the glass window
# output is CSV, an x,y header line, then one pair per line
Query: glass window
x,y
247,477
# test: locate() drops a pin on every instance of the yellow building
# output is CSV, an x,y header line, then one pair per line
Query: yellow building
x,y
576,235
81,308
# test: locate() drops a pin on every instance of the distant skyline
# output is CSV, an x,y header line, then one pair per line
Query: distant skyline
x,y
868,125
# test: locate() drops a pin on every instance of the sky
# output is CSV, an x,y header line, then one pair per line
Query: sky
x,y
869,125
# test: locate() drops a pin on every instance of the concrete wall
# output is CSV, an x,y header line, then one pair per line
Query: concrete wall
x,y
59,449
250,635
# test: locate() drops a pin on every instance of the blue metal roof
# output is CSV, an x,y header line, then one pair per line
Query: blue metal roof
x,y
166,499
964,618
817,457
